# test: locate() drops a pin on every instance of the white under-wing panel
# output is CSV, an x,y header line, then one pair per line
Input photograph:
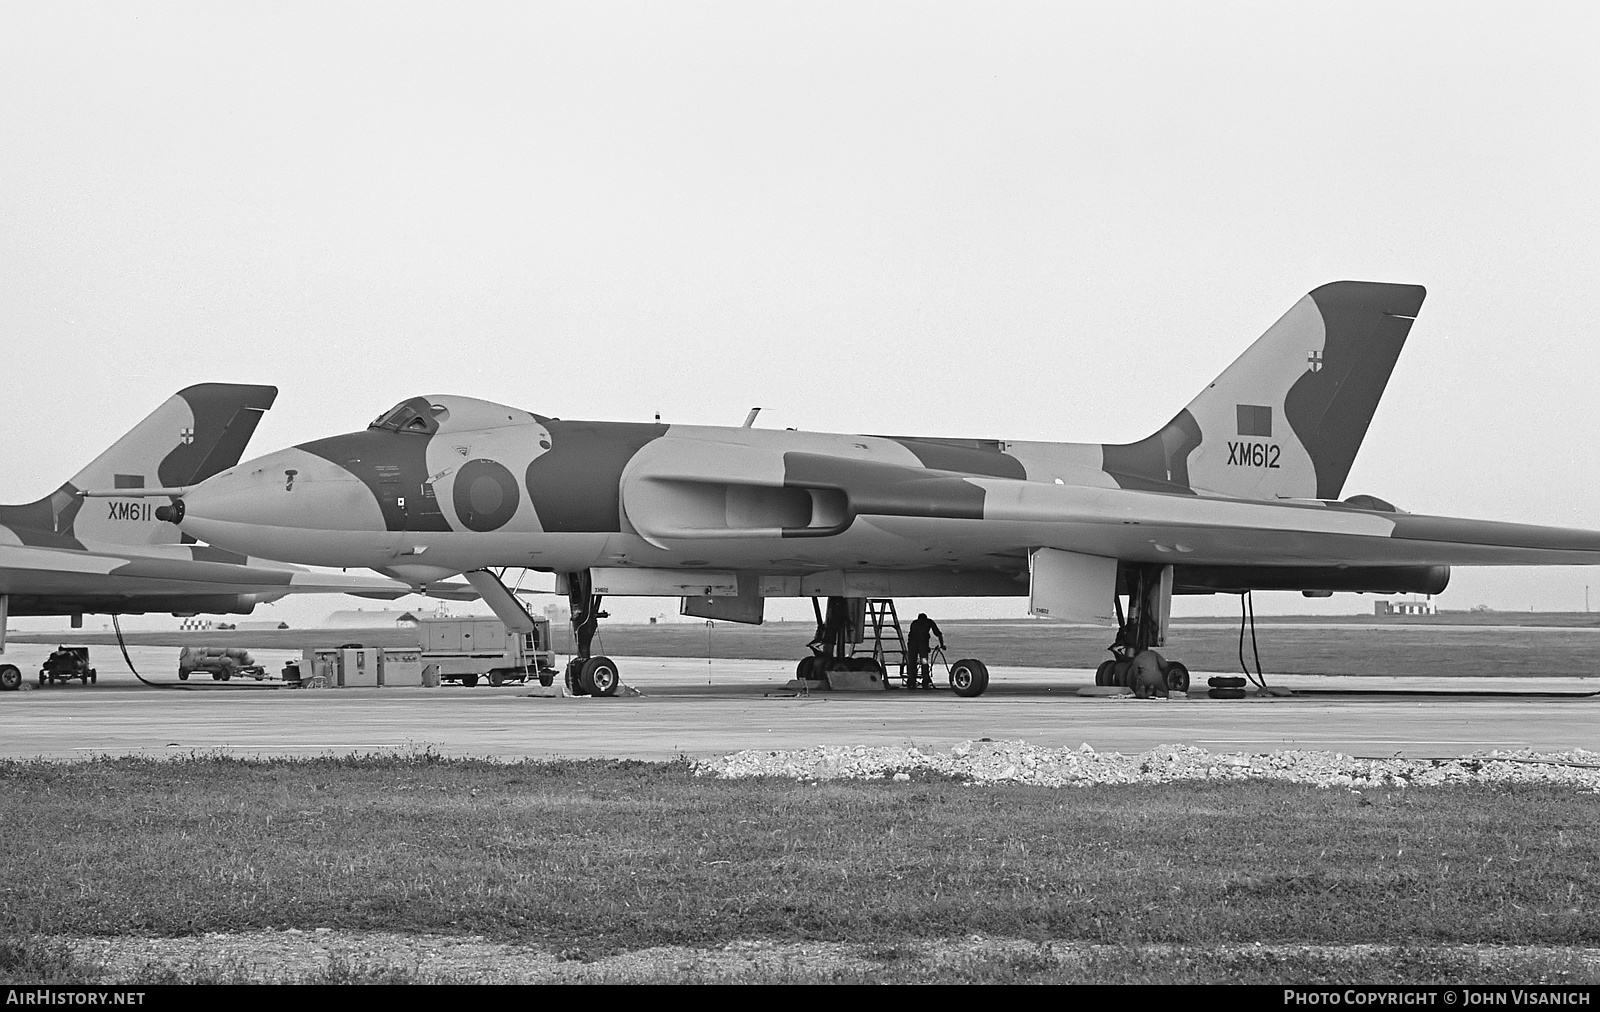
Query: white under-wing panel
x,y
666,582
1071,587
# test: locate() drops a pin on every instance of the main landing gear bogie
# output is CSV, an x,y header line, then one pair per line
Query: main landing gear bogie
x,y
592,676
1125,671
587,674
1134,663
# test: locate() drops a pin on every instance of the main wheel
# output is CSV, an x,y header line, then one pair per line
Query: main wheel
x,y
601,677
1121,674
1102,674
469,680
10,677
574,677
969,677
1177,678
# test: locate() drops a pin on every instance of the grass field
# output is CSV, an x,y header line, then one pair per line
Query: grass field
x,y
1345,648
597,858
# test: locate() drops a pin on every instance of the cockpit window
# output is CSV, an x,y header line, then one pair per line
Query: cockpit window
x,y
414,415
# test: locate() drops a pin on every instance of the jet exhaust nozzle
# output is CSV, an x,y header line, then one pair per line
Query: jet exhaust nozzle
x,y
172,514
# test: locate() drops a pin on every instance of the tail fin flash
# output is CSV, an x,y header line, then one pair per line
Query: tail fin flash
x,y
199,431
1286,418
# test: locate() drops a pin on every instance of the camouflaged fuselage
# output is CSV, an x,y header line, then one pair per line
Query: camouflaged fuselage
x,y
1238,491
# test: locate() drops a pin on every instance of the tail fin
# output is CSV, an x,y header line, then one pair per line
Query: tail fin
x,y
1286,418
199,431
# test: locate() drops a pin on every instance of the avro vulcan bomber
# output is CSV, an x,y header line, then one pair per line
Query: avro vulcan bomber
x,y
1240,491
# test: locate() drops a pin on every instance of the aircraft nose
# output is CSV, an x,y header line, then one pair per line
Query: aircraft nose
x,y
256,506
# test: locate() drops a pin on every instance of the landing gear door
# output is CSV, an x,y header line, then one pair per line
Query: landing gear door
x,y
1071,587
1163,602
747,606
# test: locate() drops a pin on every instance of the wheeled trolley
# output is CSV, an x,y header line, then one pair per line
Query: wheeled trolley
x,y
65,664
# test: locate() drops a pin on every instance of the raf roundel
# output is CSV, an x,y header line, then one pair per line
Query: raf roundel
x,y
485,495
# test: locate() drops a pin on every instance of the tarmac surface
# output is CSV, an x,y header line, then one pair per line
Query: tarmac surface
x,y
704,709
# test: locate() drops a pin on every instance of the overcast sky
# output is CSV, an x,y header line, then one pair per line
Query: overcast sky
x,y
1035,221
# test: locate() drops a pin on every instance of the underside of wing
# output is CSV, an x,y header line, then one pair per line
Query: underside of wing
x,y
62,574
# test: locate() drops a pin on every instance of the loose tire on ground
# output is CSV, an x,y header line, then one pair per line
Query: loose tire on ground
x,y
968,677
1222,682
1177,678
10,677
601,676
1225,693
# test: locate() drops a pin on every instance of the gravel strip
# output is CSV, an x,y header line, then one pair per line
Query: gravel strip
x,y
294,956
1017,762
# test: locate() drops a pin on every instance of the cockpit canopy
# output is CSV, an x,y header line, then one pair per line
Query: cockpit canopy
x,y
430,414
415,415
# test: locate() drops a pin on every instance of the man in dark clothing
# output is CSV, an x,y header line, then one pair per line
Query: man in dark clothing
x,y
917,669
